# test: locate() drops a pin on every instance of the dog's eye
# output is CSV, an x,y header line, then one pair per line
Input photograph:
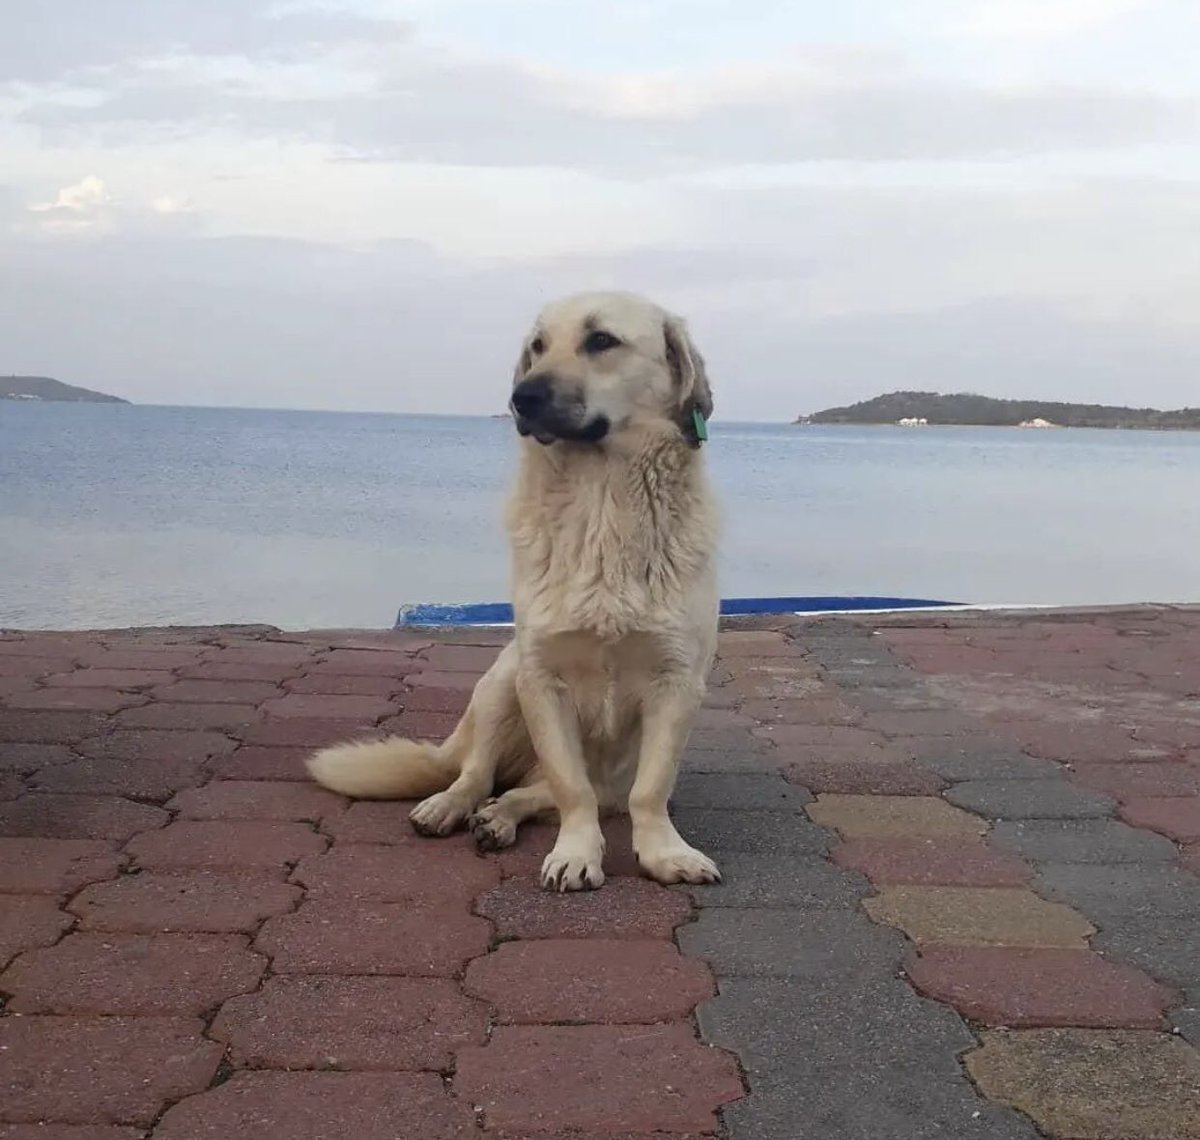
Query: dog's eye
x,y
537,346
599,342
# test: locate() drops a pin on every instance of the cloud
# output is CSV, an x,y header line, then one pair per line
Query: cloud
x,y
87,206
416,104
48,42
1041,19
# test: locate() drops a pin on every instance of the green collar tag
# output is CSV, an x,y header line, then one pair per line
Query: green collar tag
x,y
699,424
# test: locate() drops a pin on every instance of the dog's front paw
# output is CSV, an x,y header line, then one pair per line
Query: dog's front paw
x,y
573,869
440,814
492,827
678,864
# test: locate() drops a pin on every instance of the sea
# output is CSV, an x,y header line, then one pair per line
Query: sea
x,y
120,515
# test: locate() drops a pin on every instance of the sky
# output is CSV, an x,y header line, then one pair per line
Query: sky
x,y
360,204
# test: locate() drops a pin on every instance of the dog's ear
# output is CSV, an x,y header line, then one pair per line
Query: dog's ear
x,y
691,378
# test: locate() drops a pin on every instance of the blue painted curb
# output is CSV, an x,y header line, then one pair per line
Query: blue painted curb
x,y
500,613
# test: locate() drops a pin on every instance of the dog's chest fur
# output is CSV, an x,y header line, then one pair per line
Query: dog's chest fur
x,y
612,543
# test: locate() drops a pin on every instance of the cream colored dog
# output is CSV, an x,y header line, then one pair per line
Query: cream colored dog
x,y
613,533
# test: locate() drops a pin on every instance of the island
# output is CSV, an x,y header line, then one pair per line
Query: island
x,y
920,409
42,388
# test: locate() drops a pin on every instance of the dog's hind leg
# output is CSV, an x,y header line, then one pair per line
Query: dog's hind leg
x,y
493,737
495,822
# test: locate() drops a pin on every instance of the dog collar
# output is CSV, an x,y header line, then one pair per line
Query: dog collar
x,y
699,425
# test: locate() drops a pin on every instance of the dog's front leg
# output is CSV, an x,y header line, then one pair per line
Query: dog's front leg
x,y
575,863
667,714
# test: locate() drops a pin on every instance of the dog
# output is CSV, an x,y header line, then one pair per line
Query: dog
x,y
613,532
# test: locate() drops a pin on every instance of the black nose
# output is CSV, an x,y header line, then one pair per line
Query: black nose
x,y
531,397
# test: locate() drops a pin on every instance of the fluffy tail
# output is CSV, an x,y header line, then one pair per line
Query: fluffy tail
x,y
392,769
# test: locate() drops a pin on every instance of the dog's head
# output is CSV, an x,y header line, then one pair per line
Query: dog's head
x,y
597,364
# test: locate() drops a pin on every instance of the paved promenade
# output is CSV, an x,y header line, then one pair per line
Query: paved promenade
x,y
961,897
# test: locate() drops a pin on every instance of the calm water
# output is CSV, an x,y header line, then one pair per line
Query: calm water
x,y
113,515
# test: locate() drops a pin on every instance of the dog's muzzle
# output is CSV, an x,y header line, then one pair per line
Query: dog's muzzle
x,y
539,414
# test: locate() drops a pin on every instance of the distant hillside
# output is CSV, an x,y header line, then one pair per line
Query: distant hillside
x,y
968,409
43,388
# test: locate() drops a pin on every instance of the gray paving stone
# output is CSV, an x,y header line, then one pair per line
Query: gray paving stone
x,y
1120,892
738,791
758,833
1029,799
824,948
730,760
1080,841
1186,1021
869,677
971,764
1167,952
770,881
877,1062
898,1105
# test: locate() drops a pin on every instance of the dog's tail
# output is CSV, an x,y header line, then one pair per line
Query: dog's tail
x,y
391,769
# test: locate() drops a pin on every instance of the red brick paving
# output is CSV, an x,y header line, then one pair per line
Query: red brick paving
x,y
224,845
596,980
327,936
29,921
55,866
931,862
370,938
634,1078
625,908
201,901
113,1070
133,974
256,800
1175,817
305,1022
1022,988
317,1106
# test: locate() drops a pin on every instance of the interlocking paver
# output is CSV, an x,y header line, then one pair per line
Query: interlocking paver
x,y
77,817
257,799
647,1078
877,1061
192,717
141,779
882,817
373,938
1080,841
743,791
427,873
624,908
29,921
864,777
195,901
89,973
305,1022
224,845
55,866
256,763
717,830
595,980
814,945
111,1070
1094,1084
316,1106
1019,987
1029,799
932,862
984,916
1179,819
